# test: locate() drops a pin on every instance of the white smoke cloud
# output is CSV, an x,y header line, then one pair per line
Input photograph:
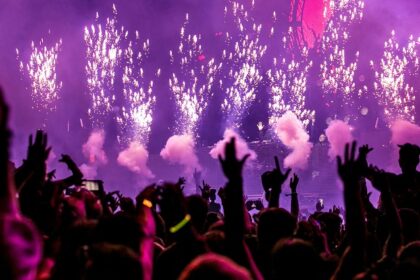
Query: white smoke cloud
x,y
180,149
405,132
89,171
94,152
292,134
241,146
93,148
134,158
338,134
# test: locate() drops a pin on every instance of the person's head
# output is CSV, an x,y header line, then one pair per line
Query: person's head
x,y
295,259
197,208
21,248
127,205
330,224
215,240
212,266
69,262
120,229
409,157
212,195
81,204
211,219
111,262
309,231
408,263
274,224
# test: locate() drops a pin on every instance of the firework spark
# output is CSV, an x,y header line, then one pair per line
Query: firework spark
x,y
288,82
42,72
392,87
193,84
242,63
337,73
137,114
103,54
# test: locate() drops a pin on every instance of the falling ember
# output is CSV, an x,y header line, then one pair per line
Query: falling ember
x,y
242,64
288,84
392,86
103,54
41,70
193,81
337,73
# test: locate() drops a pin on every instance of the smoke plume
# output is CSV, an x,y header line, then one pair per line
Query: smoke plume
x,y
405,132
89,171
338,134
292,134
135,159
241,146
180,149
93,150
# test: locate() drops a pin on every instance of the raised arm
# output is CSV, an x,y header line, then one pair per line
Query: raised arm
x,y
8,204
382,182
272,182
294,181
350,172
19,240
233,204
76,176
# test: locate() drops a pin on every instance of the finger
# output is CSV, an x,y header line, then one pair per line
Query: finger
x,y
47,152
45,140
38,138
346,153
220,159
353,150
339,162
276,161
245,158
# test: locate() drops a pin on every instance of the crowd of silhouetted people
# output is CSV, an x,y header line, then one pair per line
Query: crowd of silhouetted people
x,y
62,229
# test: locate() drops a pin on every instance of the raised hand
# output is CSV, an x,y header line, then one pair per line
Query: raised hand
x,y
350,170
65,159
380,180
364,150
278,176
231,165
205,190
38,150
363,153
294,181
